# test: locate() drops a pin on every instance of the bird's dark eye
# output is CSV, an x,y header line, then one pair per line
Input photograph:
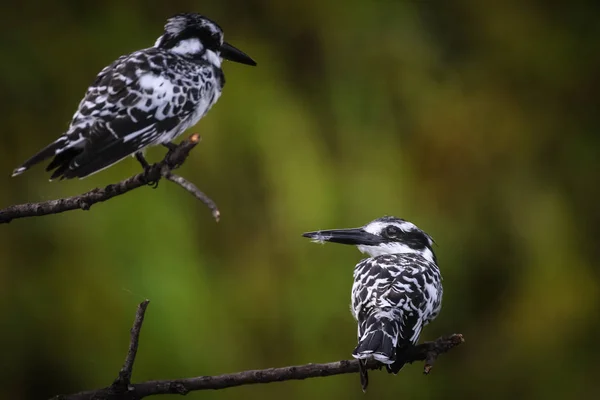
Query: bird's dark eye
x,y
392,231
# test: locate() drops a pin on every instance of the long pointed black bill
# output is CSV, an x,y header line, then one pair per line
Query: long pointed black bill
x,y
355,236
231,53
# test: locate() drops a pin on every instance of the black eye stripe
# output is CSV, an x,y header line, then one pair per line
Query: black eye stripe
x,y
208,39
413,238
392,231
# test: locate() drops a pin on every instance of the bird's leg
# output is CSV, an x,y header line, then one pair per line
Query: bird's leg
x,y
169,145
142,160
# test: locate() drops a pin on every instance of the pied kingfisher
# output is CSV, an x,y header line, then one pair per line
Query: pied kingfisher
x,y
396,292
145,98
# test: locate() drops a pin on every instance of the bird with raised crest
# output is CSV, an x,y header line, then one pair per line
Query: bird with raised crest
x,y
396,291
145,98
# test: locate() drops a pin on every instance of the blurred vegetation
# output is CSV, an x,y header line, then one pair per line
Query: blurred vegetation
x,y
476,120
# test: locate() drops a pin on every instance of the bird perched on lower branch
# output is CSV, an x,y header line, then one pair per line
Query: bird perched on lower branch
x,y
145,98
396,292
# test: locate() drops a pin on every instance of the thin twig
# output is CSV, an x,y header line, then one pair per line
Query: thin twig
x,y
193,189
124,378
427,351
174,159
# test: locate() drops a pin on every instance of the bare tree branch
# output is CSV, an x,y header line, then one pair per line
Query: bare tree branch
x,y
190,187
123,389
173,160
124,378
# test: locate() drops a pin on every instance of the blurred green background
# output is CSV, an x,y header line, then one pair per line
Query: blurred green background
x,y
478,121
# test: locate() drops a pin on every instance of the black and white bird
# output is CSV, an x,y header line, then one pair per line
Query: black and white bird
x,y
396,292
145,98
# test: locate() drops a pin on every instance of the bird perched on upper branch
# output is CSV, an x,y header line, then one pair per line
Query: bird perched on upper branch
x,y
145,98
396,292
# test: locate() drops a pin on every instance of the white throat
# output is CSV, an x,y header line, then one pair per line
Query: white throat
x,y
395,248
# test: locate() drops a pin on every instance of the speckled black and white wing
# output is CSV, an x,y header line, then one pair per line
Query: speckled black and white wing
x,y
393,297
142,99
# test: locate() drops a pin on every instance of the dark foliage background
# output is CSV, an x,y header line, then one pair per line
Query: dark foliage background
x,y
476,120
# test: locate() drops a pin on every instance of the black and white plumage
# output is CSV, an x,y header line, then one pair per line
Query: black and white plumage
x,y
145,98
396,292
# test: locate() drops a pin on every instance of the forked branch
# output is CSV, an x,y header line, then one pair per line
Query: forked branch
x,y
123,389
163,169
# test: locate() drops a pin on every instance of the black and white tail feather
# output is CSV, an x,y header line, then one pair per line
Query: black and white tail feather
x,y
145,98
396,292
377,338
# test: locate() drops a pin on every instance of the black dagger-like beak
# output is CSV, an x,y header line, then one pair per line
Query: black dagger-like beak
x,y
355,236
230,53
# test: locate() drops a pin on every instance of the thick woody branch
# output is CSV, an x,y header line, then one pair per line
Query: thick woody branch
x,y
123,389
163,169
